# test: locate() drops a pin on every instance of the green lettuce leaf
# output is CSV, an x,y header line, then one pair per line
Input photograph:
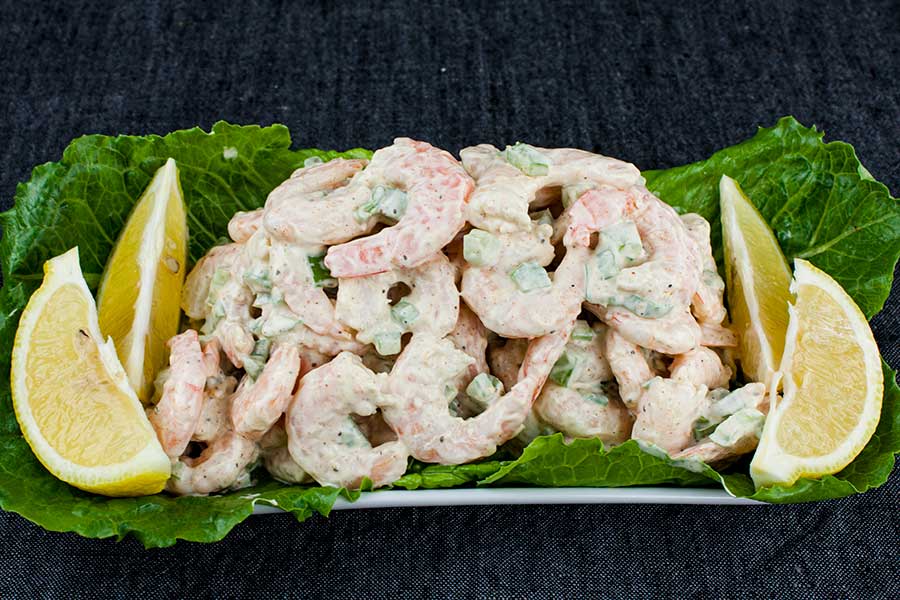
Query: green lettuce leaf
x,y
822,203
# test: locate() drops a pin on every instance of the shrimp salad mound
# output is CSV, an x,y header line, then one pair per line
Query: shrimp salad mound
x,y
413,305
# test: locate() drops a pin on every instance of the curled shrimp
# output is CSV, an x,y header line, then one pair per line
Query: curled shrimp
x,y
580,400
243,225
195,293
424,373
432,305
503,192
648,303
177,413
214,416
505,306
223,464
437,189
277,458
668,408
316,205
707,303
322,436
258,404
629,366
470,336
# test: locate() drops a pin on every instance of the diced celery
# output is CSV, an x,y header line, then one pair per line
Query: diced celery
x,y
604,264
712,279
530,276
571,193
387,344
484,388
596,398
392,203
366,210
321,275
527,159
748,421
253,366
562,370
278,322
481,248
212,319
582,332
219,279
703,427
544,217
623,239
258,281
258,357
312,160
643,307
404,313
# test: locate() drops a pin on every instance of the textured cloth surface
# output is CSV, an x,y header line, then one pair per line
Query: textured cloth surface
x,y
643,81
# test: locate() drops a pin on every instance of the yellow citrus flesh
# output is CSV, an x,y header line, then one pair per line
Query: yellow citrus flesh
x,y
139,294
833,386
72,397
758,281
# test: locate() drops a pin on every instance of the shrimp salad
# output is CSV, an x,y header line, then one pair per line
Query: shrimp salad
x,y
416,306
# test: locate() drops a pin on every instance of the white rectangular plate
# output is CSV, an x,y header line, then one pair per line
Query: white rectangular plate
x,y
498,496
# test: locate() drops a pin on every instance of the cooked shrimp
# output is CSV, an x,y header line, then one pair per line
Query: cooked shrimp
x,y
176,415
504,192
257,405
425,370
293,281
195,293
470,336
707,303
322,436
432,305
316,205
579,399
277,458
214,416
224,464
243,225
668,408
737,418
505,292
648,303
437,189
700,366
630,367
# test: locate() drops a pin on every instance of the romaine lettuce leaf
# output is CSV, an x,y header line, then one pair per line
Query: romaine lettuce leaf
x,y
823,205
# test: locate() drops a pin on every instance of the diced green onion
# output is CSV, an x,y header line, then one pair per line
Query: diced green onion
x,y
530,276
582,332
392,203
527,159
600,399
258,281
387,344
481,248
321,275
644,307
365,210
544,217
562,370
571,193
484,388
404,313
703,427
312,160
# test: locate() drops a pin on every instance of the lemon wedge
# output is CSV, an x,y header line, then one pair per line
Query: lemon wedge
x,y
833,385
72,397
140,291
758,281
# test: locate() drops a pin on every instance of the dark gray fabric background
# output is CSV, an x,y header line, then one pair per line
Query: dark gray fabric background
x,y
643,81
